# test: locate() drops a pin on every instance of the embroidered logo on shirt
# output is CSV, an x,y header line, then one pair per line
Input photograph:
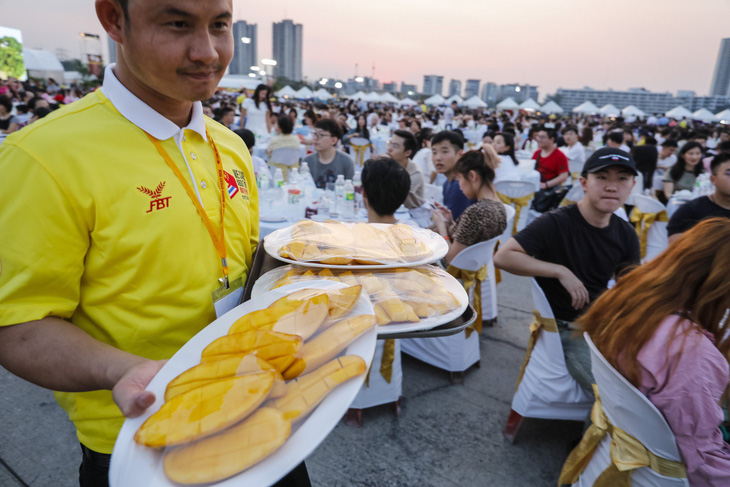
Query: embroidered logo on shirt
x,y
232,185
158,202
241,180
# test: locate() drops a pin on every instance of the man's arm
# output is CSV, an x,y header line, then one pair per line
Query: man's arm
x,y
513,259
556,181
57,355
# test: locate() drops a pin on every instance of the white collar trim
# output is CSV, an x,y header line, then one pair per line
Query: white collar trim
x,y
144,116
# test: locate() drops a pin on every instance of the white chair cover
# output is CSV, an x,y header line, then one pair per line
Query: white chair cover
x,y
433,193
507,234
473,258
575,167
638,190
353,153
656,239
287,156
378,390
547,390
627,408
517,189
575,193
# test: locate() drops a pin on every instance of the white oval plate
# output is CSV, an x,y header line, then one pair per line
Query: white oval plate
x,y
137,466
278,238
266,282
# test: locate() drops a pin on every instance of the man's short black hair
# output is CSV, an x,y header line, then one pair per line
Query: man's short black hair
x,y
21,109
5,101
450,136
570,128
386,185
248,137
721,147
41,112
616,136
409,141
550,132
721,158
125,8
331,126
670,143
286,124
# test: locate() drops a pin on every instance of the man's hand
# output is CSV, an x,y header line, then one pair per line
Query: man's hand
x,y
129,392
575,287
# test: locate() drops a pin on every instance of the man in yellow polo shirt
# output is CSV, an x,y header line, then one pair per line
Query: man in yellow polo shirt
x,y
112,232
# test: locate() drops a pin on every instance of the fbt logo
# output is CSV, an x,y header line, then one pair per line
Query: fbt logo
x,y
158,202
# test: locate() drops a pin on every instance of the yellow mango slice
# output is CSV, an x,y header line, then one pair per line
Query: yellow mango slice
x,y
348,278
205,410
404,285
336,256
305,320
306,392
230,452
397,310
327,344
341,301
264,319
265,344
381,315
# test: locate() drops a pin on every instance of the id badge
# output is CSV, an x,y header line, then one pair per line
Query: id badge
x,y
225,300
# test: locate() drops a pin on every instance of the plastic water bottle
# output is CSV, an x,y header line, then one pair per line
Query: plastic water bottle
x,y
349,202
357,185
338,205
306,176
278,178
294,176
264,181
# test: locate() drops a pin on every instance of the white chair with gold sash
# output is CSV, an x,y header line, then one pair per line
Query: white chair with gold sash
x,y
517,193
650,218
384,381
285,158
475,267
507,234
629,443
574,195
575,168
545,388
359,150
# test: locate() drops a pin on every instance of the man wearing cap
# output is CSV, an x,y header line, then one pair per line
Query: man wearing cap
x,y
575,251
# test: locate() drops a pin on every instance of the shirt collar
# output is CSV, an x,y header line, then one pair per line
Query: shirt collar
x,y
144,116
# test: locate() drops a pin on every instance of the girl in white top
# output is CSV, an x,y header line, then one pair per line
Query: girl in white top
x,y
507,169
423,157
256,111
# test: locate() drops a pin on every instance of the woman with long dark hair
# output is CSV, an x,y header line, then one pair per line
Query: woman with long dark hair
x,y
256,111
684,172
664,327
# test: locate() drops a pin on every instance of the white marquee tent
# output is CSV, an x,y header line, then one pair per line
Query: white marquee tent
x,y
530,105
632,111
388,98
455,98
678,113
507,104
286,91
586,107
704,115
407,102
551,107
609,111
304,93
435,100
724,116
42,64
322,94
475,102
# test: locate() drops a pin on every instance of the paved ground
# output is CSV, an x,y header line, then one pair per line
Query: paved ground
x,y
447,435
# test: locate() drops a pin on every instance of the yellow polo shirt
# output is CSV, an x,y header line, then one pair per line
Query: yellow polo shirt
x,y
96,229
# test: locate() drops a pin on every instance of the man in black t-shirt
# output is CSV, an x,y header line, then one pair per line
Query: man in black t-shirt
x,y
716,204
574,251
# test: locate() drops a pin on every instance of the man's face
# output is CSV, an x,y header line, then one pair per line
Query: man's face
x,y
178,49
341,119
721,179
445,156
396,149
543,141
608,189
667,152
570,137
228,118
208,112
724,137
323,140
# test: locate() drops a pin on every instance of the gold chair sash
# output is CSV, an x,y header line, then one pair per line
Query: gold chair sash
x,y
497,270
519,203
575,175
538,323
471,279
359,152
644,221
386,363
567,202
284,169
627,454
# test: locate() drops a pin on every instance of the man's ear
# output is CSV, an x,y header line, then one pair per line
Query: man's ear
x,y
112,19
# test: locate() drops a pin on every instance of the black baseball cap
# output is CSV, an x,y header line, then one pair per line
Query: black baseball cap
x,y
607,157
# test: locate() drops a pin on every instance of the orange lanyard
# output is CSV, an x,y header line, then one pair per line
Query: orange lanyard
x,y
218,241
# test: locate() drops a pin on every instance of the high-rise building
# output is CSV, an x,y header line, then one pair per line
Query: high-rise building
x,y
454,87
433,85
648,101
407,89
489,93
721,80
391,87
244,48
288,50
517,92
472,88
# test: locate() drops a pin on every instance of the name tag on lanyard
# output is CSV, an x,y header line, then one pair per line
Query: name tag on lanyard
x,y
225,299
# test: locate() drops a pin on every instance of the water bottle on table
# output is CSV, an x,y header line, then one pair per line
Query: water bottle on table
x,y
348,211
339,196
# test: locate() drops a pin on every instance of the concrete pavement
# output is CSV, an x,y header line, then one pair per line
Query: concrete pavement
x,y
446,435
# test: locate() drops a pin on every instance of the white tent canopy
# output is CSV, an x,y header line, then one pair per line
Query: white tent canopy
x,y
530,104
551,107
704,115
357,96
372,96
435,100
609,110
42,64
475,102
388,98
286,91
678,113
507,104
407,101
586,107
236,82
632,111
322,94
304,93
724,116
454,98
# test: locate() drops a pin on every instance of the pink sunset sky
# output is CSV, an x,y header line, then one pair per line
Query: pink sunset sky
x,y
661,45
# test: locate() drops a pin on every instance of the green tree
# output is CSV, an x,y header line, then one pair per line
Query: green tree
x,y
11,58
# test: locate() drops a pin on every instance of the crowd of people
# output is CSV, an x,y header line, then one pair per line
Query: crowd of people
x,y
671,310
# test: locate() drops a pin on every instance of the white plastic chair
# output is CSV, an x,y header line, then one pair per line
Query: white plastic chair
x,y
284,158
378,391
507,234
361,141
638,190
456,353
547,389
656,239
516,189
627,408
433,193
574,194
575,167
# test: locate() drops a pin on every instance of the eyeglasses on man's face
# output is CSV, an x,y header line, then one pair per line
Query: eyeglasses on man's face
x,y
319,135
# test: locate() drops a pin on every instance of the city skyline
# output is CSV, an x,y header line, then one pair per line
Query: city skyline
x,y
654,44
